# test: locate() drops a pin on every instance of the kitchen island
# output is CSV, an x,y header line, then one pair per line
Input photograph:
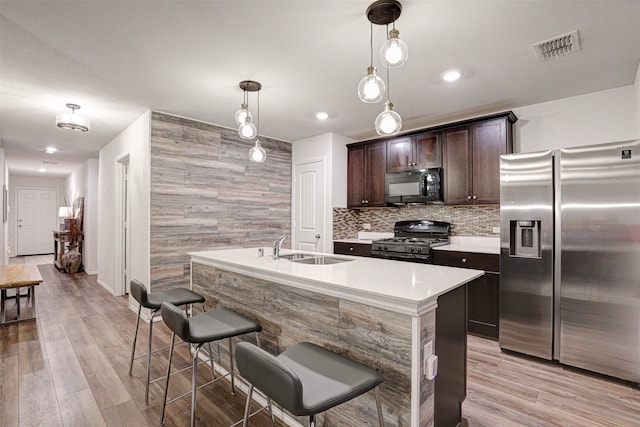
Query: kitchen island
x,y
379,312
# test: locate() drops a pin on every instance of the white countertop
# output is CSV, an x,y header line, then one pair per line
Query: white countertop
x,y
484,245
405,287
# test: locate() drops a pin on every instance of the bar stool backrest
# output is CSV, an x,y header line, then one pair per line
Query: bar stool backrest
x,y
270,375
138,292
176,320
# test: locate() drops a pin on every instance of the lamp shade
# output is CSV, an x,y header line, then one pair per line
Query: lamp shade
x,y
388,122
394,52
242,114
257,153
70,120
371,88
65,212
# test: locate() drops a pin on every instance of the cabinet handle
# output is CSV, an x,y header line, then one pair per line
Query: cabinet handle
x,y
464,260
362,201
475,197
468,197
351,249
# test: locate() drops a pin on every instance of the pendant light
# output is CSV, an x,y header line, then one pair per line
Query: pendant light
x,y
371,87
388,122
394,52
246,128
257,153
72,120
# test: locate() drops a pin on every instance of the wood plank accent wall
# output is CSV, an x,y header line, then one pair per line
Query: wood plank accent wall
x,y
375,337
205,193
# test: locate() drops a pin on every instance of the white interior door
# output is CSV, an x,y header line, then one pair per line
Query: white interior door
x,y
309,217
36,218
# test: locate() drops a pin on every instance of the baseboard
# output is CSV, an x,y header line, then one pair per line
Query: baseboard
x,y
104,285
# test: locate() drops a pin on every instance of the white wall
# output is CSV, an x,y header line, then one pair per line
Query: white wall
x,y
332,149
339,172
134,141
24,181
598,117
83,182
637,90
4,234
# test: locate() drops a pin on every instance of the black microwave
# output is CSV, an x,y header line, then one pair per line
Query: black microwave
x,y
419,186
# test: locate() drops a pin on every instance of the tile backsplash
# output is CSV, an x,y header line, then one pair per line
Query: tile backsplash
x,y
465,220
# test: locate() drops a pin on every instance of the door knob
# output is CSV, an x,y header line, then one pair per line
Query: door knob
x,y
317,236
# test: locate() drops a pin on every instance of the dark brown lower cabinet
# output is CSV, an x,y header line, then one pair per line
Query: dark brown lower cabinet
x,y
345,248
483,294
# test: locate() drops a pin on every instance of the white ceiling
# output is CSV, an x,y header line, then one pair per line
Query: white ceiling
x,y
118,58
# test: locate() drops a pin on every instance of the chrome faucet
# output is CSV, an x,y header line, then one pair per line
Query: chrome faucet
x,y
276,245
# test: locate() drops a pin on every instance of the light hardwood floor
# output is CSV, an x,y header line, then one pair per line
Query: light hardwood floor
x,y
70,368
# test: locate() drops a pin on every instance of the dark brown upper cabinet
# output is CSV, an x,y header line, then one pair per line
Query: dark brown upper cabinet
x,y
471,160
468,152
365,174
420,151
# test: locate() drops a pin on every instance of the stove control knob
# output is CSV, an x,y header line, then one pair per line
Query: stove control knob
x,y
385,247
419,250
413,250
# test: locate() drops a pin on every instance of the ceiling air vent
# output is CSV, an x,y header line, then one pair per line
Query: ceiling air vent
x,y
49,162
557,46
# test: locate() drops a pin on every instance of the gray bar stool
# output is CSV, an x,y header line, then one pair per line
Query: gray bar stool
x,y
153,302
203,328
305,379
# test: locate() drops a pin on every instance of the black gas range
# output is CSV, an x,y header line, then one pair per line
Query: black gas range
x,y
412,240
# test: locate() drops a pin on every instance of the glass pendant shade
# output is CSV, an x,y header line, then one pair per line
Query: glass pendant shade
x,y
394,52
247,130
257,153
388,122
371,88
242,114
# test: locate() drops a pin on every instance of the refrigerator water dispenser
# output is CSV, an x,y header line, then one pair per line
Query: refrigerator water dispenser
x,y
525,239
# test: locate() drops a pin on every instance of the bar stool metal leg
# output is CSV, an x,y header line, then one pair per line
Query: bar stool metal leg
x,y
379,406
135,338
233,384
146,391
247,407
166,384
194,385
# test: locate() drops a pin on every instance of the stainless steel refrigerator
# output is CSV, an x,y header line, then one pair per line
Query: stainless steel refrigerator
x,y
570,256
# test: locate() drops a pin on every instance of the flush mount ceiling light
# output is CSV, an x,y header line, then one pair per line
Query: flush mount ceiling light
x,y
246,128
72,120
321,115
50,150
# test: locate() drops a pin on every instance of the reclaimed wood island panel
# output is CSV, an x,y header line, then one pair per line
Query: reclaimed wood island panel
x,y
378,312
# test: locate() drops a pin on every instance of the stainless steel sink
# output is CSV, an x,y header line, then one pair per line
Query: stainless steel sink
x,y
313,259
320,260
294,257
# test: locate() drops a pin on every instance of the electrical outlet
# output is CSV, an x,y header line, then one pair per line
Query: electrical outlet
x,y
366,226
496,230
426,357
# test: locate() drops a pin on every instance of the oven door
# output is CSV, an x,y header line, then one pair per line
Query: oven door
x,y
402,256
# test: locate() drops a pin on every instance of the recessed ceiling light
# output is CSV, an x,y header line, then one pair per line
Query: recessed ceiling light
x,y
451,75
322,115
42,170
51,150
